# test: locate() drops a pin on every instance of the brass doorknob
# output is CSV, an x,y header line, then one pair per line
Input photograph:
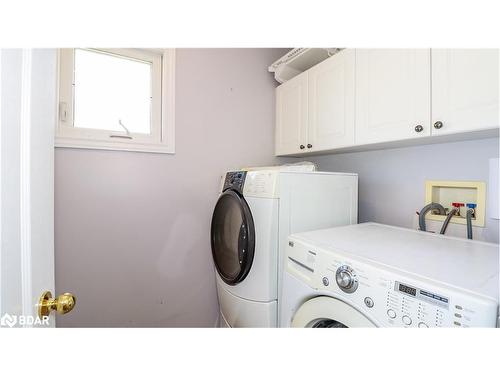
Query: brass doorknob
x,y
63,304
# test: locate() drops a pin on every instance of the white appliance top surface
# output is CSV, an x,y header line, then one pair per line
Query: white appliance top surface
x,y
276,172
300,166
319,173
470,265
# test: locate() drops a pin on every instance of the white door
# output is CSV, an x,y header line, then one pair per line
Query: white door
x,y
27,118
392,94
291,116
331,103
464,90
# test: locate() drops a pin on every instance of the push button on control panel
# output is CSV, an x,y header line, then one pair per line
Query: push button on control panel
x,y
406,320
391,313
369,302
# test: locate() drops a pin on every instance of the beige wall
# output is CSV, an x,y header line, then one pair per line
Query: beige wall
x,y
132,229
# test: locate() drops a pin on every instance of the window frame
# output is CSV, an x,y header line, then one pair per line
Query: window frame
x,y
162,136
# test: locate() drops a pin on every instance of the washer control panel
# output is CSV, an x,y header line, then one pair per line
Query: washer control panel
x,y
414,306
390,298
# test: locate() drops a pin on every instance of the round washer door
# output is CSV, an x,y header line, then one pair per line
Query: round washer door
x,y
329,312
232,237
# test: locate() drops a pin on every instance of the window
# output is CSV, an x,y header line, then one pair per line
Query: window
x,y
121,99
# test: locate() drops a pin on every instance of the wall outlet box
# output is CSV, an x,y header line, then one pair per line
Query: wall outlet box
x,y
448,192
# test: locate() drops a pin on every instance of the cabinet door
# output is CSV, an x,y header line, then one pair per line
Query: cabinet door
x,y
392,94
291,115
331,103
464,90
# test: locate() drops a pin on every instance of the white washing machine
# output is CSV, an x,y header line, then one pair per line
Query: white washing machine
x,y
254,215
373,275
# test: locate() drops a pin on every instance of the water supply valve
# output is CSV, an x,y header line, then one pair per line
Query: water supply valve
x,y
457,205
471,206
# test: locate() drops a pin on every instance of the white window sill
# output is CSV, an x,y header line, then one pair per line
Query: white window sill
x,y
62,142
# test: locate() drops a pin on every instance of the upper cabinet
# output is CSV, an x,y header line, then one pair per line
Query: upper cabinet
x,y
464,90
315,110
393,94
364,97
291,115
331,103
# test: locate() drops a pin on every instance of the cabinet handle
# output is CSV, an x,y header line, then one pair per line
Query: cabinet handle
x,y
438,125
309,145
302,147
419,128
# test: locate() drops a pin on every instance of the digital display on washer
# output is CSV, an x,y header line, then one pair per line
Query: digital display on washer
x,y
407,289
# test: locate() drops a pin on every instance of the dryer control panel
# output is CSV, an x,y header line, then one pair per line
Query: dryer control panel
x,y
235,181
388,297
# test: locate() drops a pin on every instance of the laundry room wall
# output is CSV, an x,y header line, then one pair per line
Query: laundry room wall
x,y
132,229
392,182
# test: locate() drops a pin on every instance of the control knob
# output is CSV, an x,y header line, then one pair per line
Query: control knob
x,y
346,279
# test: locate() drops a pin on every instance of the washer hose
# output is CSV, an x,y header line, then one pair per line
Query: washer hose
x,y
468,218
423,212
447,220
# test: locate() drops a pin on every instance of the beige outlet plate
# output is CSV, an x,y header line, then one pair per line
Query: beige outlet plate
x,y
446,192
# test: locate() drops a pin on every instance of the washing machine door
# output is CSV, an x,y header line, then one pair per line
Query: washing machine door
x,y
232,237
329,312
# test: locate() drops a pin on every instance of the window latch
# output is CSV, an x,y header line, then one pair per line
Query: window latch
x,y
128,136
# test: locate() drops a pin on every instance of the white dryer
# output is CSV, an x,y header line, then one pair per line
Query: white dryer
x,y
254,215
373,275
